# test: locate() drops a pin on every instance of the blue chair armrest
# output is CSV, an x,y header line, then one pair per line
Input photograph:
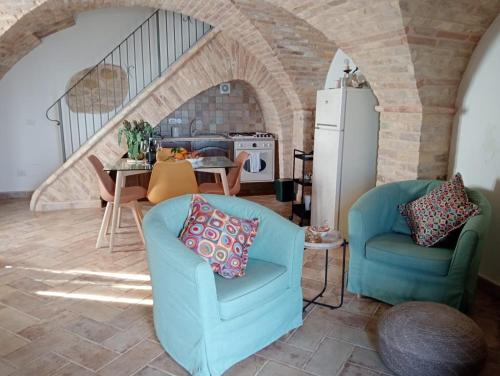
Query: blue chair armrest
x,y
281,242
179,273
372,214
472,235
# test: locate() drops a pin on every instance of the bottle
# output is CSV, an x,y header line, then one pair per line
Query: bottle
x,y
151,153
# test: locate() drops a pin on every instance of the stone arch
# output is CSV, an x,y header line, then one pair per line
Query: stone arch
x,y
218,59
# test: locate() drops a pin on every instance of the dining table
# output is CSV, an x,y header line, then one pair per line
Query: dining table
x,y
125,167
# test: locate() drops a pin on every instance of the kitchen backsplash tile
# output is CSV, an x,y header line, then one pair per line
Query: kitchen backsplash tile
x,y
219,113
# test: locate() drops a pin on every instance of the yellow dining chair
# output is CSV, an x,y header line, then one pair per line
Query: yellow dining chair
x,y
170,179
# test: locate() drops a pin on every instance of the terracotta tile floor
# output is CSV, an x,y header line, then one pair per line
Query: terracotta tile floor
x,y
69,309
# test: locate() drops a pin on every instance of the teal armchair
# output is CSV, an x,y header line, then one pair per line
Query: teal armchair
x,y
387,265
208,323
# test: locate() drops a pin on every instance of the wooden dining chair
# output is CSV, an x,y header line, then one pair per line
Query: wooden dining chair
x,y
170,179
129,198
233,179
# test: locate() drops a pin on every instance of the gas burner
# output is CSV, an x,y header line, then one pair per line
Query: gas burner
x,y
250,135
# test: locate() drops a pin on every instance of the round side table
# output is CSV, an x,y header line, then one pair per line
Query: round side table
x,y
328,242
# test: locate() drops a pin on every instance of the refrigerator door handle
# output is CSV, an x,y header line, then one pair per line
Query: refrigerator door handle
x,y
327,125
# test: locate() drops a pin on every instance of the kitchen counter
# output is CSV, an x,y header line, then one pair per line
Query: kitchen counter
x,y
208,137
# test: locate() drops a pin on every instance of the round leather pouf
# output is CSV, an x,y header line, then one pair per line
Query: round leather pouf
x,y
424,338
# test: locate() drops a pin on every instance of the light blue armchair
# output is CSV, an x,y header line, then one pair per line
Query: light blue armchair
x,y
386,264
208,323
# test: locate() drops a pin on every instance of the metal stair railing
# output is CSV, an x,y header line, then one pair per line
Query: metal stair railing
x,y
102,91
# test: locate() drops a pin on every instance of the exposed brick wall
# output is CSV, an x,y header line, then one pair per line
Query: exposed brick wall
x,y
413,52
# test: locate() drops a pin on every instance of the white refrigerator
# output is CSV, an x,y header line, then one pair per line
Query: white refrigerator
x,y
345,153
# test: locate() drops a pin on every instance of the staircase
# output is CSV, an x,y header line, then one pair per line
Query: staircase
x,y
99,94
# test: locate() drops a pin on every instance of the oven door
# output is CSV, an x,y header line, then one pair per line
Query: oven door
x,y
265,170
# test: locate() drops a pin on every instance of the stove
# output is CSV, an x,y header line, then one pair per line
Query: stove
x,y
259,166
250,135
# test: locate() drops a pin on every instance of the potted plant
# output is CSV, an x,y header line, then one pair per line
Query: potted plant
x,y
135,133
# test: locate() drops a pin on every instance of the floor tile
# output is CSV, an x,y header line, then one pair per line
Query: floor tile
x,y
150,371
34,349
22,301
276,369
368,359
6,369
5,291
43,366
356,336
132,360
248,367
329,358
10,342
285,353
129,316
72,369
94,310
362,306
311,333
85,353
51,309
91,329
29,285
165,363
350,369
340,316
14,320
46,327
125,339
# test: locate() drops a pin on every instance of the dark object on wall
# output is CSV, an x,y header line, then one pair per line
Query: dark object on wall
x,y
284,190
430,339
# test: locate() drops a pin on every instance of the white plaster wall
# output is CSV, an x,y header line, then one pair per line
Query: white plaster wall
x,y
476,137
29,143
